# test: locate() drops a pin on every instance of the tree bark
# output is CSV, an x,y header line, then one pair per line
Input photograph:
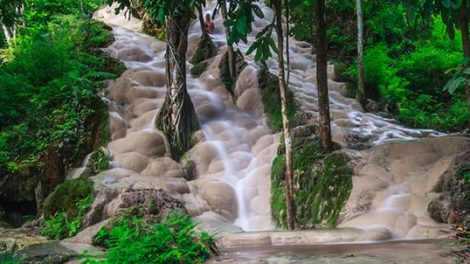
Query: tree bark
x,y
463,20
291,215
9,34
201,20
361,94
286,6
322,78
231,52
177,118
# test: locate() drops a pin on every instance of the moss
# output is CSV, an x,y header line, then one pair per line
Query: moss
x,y
206,49
240,64
99,162
65,208
198,69
322,184
269,85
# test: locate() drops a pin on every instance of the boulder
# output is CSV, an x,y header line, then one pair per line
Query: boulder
x,y
164,167
149,143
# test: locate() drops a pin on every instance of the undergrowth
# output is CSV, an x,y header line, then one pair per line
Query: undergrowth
x,y
174,240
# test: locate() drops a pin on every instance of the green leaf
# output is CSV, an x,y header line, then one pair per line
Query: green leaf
x,y
257,10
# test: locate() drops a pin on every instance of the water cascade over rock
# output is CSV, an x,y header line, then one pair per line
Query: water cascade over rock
x,y
225,177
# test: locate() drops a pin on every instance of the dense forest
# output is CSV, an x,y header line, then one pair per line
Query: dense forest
x,y
400,60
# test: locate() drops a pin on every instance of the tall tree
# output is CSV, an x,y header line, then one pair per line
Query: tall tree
x,y
201,20
291,218
361,95
230,51
322,77
176,118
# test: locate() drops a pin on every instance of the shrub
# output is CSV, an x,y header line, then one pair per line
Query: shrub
x,y
378,70
172,241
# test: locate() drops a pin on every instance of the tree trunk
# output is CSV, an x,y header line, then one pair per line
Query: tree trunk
x,y
201,20
462,20
9,35
231,53
177,118
322,78
286,6
361,94
291,215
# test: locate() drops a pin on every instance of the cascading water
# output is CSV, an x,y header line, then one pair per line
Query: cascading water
x,y
234,155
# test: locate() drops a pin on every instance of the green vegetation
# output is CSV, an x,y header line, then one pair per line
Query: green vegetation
x,y
10,257
410,85
99,161
269,86
52,116
322,184
174,240
65,208
407,58
50,86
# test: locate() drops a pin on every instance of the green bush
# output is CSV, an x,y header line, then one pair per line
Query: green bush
x,y
48,90
378,70
172,241
410,85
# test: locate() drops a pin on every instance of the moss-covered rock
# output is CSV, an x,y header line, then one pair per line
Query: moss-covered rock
x,y
65,208
453,204
240,64
98,162
146,206
322,184
206,49
269,85
199,68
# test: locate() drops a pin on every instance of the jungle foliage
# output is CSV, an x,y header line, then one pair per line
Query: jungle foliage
x,y
49,80
412,50
174,240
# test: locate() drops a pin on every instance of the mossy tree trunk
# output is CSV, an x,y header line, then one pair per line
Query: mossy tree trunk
x,y
177,118
231,52
361,95
291,215
322,78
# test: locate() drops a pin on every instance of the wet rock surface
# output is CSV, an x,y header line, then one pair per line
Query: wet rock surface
x,y
452,204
